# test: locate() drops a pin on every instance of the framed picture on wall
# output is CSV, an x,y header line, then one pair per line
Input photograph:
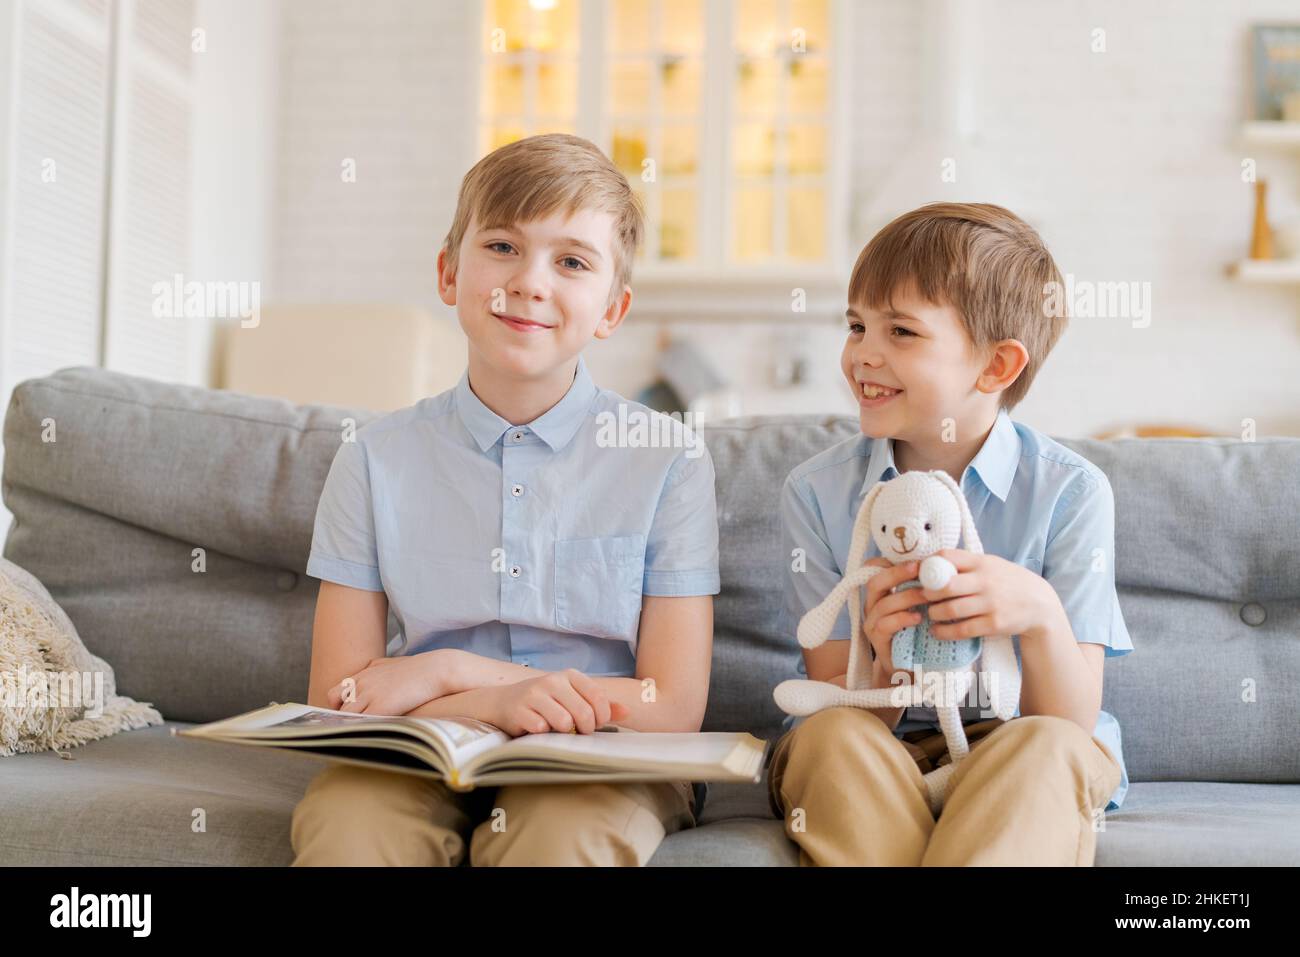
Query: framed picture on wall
x,y
1276,56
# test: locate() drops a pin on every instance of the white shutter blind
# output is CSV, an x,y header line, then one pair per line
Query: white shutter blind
x,y
57,189
150,203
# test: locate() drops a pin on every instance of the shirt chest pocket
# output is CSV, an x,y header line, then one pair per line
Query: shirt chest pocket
x,y
598,585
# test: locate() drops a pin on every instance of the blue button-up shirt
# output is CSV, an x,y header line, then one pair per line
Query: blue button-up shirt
x,y
1034,502
531,543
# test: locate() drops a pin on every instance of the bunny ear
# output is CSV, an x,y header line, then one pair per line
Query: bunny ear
x,y
968,533
862,529
857,548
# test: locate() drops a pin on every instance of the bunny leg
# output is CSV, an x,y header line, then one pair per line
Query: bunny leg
x,y
937,783
953,732
800,696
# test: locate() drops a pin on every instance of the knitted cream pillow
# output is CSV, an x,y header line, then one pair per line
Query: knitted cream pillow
x,y
54,694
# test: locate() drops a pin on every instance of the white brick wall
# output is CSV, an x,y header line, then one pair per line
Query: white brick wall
x,y
1126,160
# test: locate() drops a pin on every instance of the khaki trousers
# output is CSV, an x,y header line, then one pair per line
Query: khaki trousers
x,y
1029,793
357,816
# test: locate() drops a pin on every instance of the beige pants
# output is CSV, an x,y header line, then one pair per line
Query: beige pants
x,y
1027,794
356,816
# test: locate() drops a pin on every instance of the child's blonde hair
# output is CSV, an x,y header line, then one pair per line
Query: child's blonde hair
x,y
984,261
531,178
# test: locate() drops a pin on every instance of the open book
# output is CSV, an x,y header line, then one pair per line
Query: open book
x,y
468,753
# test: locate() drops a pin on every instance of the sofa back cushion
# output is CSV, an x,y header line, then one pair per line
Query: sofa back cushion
x,y
173,524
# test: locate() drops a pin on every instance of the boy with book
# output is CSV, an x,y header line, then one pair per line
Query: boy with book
x,y
545,577
950,318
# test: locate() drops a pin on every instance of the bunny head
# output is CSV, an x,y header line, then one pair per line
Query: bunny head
x,y
914,516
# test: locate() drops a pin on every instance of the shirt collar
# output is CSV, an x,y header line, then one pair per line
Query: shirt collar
x,y
995,463
556,426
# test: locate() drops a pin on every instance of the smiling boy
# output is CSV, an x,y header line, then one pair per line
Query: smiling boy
x,y
544,579
946,332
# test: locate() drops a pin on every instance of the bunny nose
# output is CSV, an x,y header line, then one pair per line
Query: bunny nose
x,y
900,533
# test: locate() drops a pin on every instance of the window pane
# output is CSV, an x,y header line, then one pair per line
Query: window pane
x,y
681,150
811,17
805,149
504,89
629,26
757,29
677,226
757,87
808,89
557,88
503,135
630,87
806,223
681,86
631,146
555,29
511,18
525,27
682,27
752,224
752,149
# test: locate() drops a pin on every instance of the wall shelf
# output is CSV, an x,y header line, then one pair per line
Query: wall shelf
x,y
1272,133
1275,271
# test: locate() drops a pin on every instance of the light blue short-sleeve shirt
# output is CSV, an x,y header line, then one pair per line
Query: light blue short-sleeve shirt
x,y
526,543
1034,502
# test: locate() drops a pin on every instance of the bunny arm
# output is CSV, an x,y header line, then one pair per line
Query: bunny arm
x,y
815,626
936,572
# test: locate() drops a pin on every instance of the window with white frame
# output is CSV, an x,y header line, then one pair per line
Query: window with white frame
x,y
722,114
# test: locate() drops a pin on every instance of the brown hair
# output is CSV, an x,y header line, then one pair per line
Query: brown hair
x,y
531,178
984,261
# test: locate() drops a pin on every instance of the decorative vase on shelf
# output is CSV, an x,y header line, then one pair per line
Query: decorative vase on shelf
x,y
1261,239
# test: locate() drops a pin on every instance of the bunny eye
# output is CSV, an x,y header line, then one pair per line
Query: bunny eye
x,y
882,528
927,526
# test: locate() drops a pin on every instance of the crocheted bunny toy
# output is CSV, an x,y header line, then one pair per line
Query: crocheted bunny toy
x,y
910,517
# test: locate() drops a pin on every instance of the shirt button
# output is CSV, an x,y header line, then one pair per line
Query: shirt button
x,y
516,490
518,436
515,571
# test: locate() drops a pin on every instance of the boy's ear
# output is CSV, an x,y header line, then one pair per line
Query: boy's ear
x,y
1006,361
614,315
446,280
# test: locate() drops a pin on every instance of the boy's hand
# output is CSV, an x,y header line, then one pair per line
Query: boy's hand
x,y
563,701
989,596
884,614
394,686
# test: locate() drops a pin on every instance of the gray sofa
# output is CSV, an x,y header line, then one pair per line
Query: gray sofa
x,y
142,473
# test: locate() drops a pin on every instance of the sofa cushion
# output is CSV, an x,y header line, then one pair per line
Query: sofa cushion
x,y
132,799
1203,824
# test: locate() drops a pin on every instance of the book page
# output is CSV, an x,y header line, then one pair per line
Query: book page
x,y
627,748
464,737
